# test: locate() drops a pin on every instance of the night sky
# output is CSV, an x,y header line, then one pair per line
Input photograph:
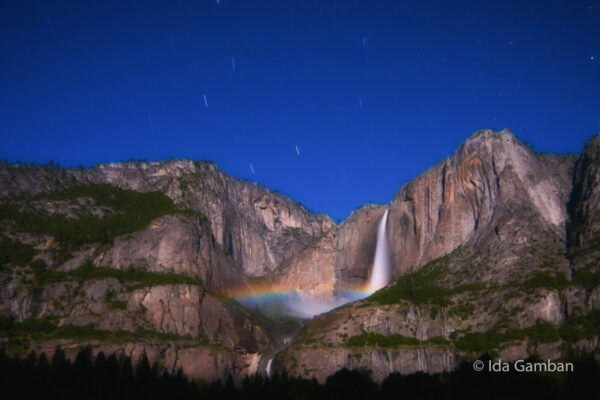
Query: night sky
x,y
334,103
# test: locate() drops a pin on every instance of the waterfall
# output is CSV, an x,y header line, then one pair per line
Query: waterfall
x,y
268,369
276,302
380,275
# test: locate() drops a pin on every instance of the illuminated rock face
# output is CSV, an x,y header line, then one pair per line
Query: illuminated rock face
x,y
339,261
477,233
490,177
495,210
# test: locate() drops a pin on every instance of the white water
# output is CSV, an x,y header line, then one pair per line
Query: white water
x,y
269,367
307,306
380,275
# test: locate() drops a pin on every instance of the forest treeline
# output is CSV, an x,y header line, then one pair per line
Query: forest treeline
x,y
112,377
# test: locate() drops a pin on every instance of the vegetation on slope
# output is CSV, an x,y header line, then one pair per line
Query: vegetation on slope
x,y
417,287
574,329
375,339
421,287
43,276
132,211
587,278
541,332
42,329
578,327
15,252
543,279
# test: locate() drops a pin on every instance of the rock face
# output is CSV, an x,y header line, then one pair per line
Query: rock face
x,y
491,176
258,228
176,244
480,243
340,260
495,238
320,363
584,204
228,232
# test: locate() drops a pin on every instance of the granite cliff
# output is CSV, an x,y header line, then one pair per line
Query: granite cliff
x,y
494,249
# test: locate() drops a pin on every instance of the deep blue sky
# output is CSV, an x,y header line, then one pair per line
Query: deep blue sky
x,y
371,92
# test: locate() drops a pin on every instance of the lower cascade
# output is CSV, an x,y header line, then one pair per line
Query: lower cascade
x,y
268,369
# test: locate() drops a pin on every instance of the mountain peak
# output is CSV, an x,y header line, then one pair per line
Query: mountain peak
x,y
488,134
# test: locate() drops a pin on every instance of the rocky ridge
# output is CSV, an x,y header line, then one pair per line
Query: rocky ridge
x,y
480,245
494,239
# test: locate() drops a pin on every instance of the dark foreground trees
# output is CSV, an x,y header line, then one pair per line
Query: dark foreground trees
x,y
111,377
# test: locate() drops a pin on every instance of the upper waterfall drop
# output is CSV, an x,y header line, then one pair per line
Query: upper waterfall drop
x,y
291,302
380,275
